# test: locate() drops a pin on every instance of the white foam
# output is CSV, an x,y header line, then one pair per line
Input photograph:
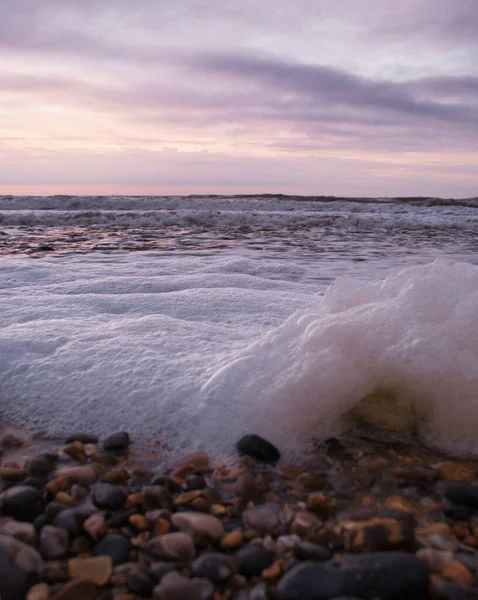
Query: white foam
x,y
206,348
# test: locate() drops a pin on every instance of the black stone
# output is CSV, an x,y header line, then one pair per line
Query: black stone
x,y
42,465
310,551
253,560
117,547
141,581
257,447
117,442
84,438
107,496
388,576
22,502
36,482
462,493
69,520
164,481
159,571
214,566
136,483
120,519
194,482
453,591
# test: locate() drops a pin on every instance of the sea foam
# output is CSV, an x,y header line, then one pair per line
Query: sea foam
x,y
198,350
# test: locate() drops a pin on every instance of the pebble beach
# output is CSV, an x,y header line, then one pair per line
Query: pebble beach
x,y
83,518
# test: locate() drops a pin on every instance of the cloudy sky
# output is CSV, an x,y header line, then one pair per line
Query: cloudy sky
x,y
345,97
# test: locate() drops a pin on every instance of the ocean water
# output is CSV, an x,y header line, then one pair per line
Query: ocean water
x,y
195,320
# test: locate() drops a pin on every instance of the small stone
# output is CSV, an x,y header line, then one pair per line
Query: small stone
x,y
116,546
157,496
218,510
203,528
68,519
184,589
388,576
139,522
264,518
84,475
462,493
65,498
232,540
258,448
117,475
305,523
11,441
117,442
273,572
84,438
97,569
175,546
214,566
41,465
107,496
22,502
40,591
197,459
378,535
141,581
308,551
454,471
20,567
398,503
24,532
456,572
77,589
311,481
435,559
252,560
320,504
194,482
76,451
54,542
12,474
57,485
246,487
187,497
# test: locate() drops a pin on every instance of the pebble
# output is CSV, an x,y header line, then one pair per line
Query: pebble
x,y
456,572
84,438
77,589
232,540
97,569
40,591
264,518
76,451
68,519
203,528
107,496
181,588
246,487
157,497
117,442
25,532
308,551
22,502
84,475
388,576
54,542
21,566
197,459
258,448
454,471
462,493
141,581
379,534
95,526
252,560
176,546
216,567
116,546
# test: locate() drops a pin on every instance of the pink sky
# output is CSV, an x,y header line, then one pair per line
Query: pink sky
x,y
307,97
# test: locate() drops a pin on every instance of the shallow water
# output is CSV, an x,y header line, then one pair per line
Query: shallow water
x,y
116,312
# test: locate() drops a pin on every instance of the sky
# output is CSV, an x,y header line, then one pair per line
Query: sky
x,y
333,97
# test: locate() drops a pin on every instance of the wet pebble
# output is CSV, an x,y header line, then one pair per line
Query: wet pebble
x,y
258,448
176,546
141,581
54,542
22,502
203,528
252,560
181,588
21,566
116,546
97,569
264,518
117,442
107,496
216,567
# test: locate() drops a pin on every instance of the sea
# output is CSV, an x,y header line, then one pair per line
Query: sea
x,y
193,320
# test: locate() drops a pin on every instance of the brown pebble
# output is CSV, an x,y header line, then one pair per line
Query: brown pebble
x,y
291,471
76,451
59,484
117,475
198,459
454,471
78,589
377,535
11,441
139,521
65,498
263,519
320,504
200,505
233,539
134,500
457,572
12,474
246,487
96,569
40,591
95,526
218,510
305,523
310,481
204,528
272,573
187,497
161,526
84,475
398,503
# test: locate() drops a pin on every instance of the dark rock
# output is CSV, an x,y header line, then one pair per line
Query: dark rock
x,y
184,589
164,481
20,567
452,591
41,465
253,560
156,497
462,493
174,546
137,483
54,542
388,576
194,482
36,482
84,438
214,566
22,502
107,496
159,571
309,551
257,447
69,520
77,589
141,581
120,519
246,487
117,442
117,547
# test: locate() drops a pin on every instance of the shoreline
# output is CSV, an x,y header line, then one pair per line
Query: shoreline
x,y
105,521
